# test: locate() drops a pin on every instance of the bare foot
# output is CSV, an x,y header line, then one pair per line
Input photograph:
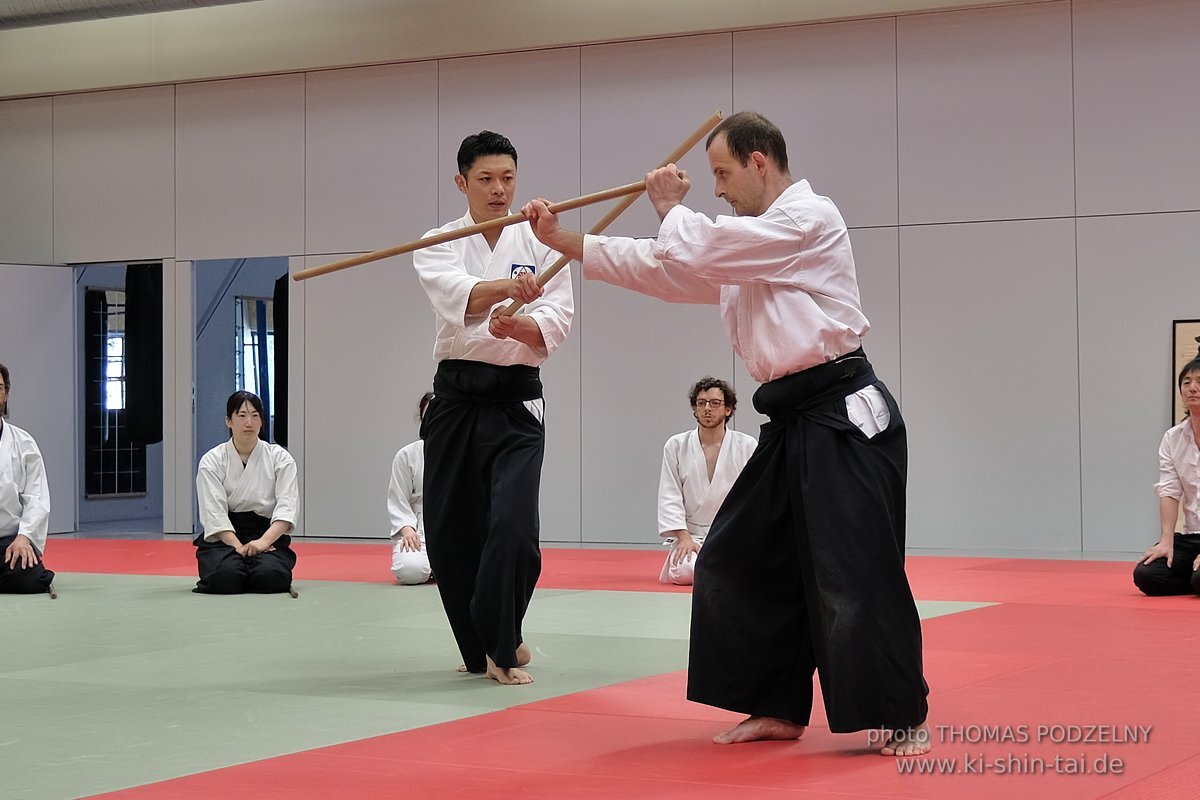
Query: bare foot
x,y
507,677
524,656
755,729
908,742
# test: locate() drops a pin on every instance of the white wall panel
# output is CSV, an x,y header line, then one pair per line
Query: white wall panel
x,y
114,175
240,168
541,118
1137,111
991,385
831,89
984,101
368,343
37,327
877,264
1136,275
641,355
26,180
370,147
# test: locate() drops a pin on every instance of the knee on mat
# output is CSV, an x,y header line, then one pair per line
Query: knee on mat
x,y
411,573
268,581
1151,578
226,581
1196,582
683,573
31,580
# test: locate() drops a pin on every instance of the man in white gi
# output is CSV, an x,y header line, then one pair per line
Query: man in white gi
x,y
699,467
24,506
249,498
1172,564
410,561
483,431
803,568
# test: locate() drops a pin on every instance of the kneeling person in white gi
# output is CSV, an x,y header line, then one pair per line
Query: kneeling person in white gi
x,y
24,507
248,497
410,561
699,466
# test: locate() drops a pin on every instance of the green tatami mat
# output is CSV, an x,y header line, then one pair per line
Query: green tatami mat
x,y
126,680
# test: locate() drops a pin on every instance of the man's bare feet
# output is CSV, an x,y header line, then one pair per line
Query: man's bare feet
x,y
755,729
908,742
524,656
508,677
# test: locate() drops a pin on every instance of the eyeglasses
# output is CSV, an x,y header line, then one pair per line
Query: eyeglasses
x,y
710,403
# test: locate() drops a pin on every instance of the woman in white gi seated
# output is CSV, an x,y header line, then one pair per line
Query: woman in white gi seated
x,y
410,561
699,467
248,501
1172,564
24,506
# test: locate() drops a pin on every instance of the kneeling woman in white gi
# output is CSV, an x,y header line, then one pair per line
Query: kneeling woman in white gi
x,y
410,560
24,507
248,498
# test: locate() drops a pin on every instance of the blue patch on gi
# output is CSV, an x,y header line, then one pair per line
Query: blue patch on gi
x,y
518,269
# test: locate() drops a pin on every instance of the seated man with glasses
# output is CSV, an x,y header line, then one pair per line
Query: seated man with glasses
x,y
699,466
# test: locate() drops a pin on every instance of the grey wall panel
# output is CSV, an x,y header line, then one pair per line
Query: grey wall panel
x,y
370,146
877,263
991,385
1137,115
541,117
114,175
832,91
240,168
641,355
27,175
630,123
368,340
1136,275
39,336
561,490
984,102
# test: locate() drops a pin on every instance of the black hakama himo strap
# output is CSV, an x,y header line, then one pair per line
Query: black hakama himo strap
x,y
483,464
223,571
803,567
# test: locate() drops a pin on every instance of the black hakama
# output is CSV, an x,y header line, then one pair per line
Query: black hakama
x,y
483,466
803,567
223,571
22,580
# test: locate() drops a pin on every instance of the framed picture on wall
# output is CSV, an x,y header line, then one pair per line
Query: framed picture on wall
x,y
1185,347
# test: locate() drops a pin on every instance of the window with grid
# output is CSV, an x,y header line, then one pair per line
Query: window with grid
x,y
254,343
114,465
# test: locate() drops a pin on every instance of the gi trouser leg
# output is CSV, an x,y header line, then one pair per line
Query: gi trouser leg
x,y
803,569
482,477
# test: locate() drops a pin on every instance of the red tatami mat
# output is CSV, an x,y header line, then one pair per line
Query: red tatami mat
x,y
643,740
1026,695
368,562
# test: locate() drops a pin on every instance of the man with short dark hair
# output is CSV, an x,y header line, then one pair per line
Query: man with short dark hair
x,y
483,430
24,506
698,468
804,566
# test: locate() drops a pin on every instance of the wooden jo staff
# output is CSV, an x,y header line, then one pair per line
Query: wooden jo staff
x,y
632,190
619,208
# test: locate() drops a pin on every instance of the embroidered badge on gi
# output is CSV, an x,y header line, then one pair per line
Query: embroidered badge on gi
x,y
520,269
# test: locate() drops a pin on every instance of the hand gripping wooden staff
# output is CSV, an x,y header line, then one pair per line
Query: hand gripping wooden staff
x,y
620,207
631,190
